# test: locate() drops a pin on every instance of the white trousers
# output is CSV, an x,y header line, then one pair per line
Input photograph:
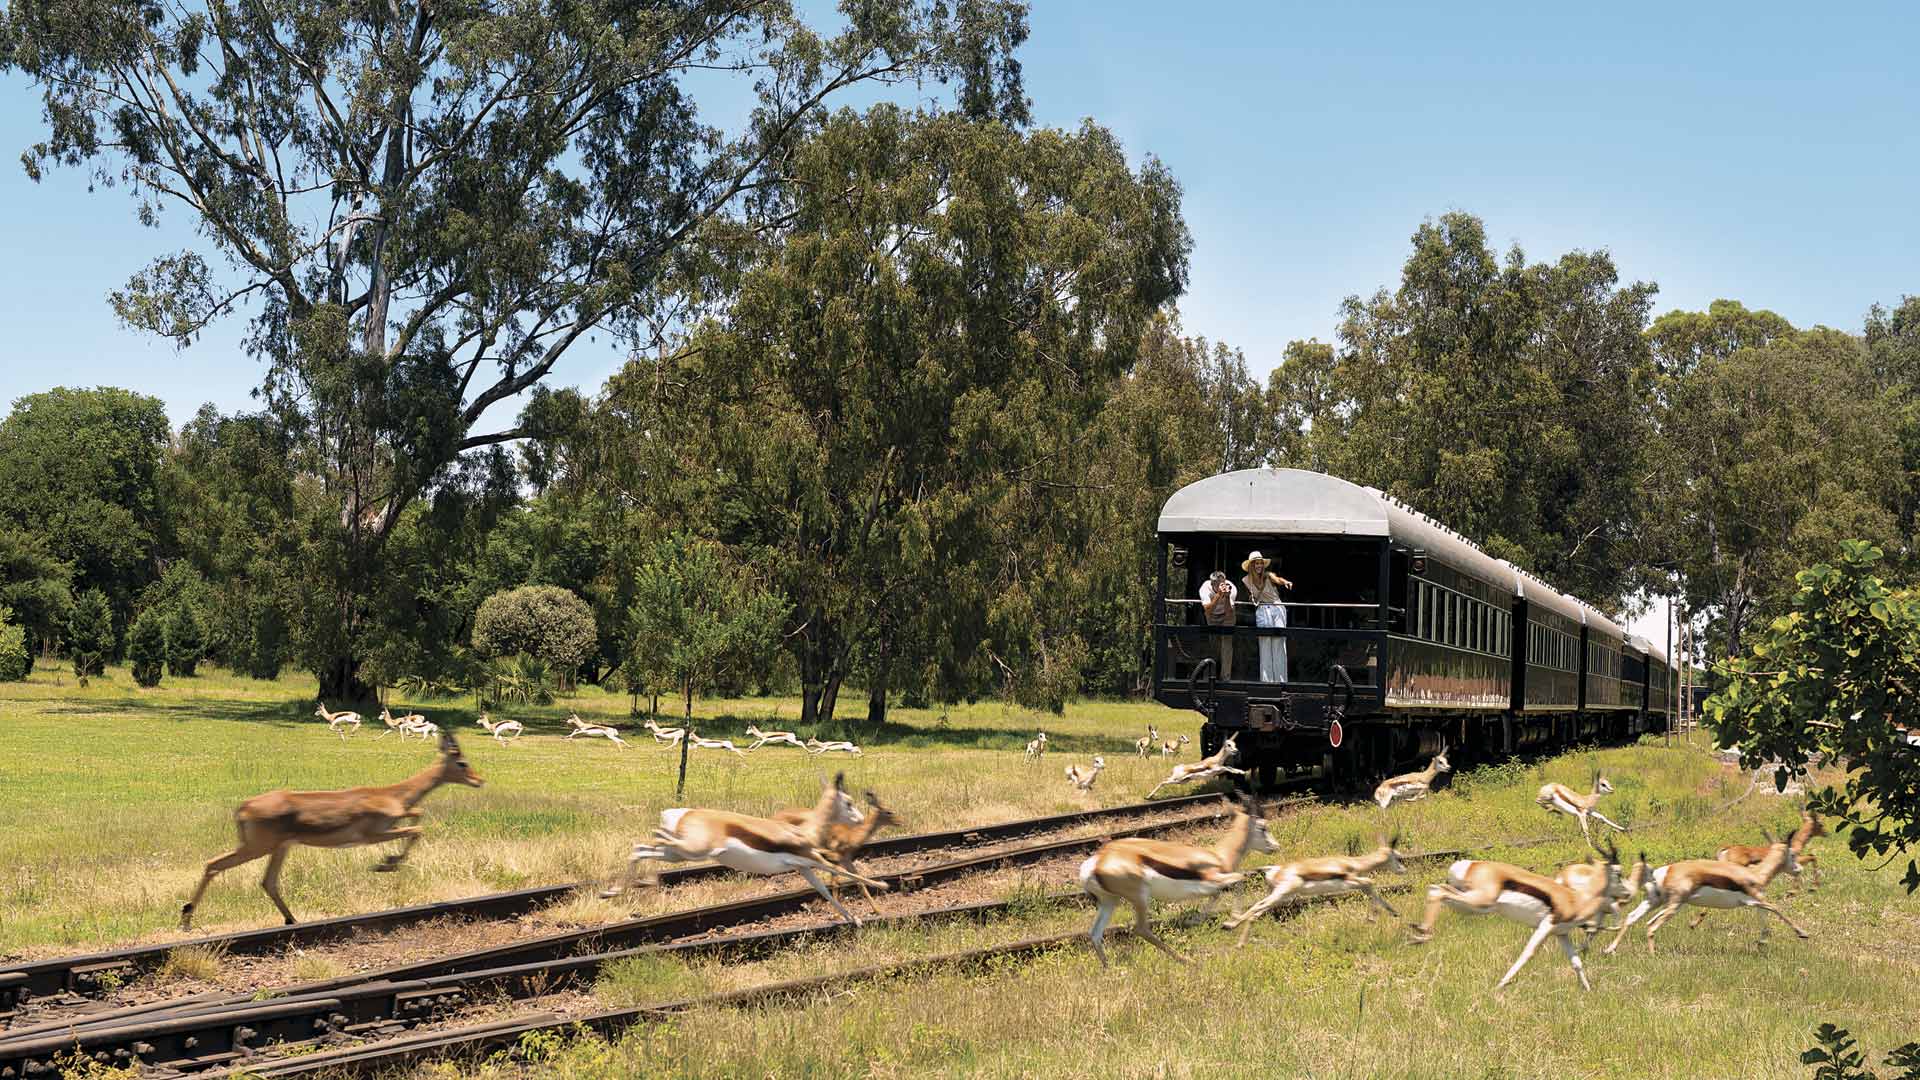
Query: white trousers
x,y
1273,650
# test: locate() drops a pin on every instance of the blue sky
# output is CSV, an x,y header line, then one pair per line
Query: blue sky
x,y
1761,152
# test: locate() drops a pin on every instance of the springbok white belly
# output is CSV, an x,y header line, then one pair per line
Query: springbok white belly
x,y
1162,887
751,860
1523,908
1325,887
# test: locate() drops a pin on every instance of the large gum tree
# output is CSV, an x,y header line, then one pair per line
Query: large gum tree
x,y
420,206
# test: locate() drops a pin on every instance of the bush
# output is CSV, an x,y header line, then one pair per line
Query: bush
x,y
90,633
264,652
147,647
186,640
545,622
16,660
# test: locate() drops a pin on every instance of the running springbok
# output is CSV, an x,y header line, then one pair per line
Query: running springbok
x,y
751,845
1144,744
1711,883
1585,877
592,731
1173,748
1549,906
840,844
1206,768
1414,785
1331,875
838,746
761,738
1754,854
338,721
1084,778
665,736
1140,871
694,738
1561,799
1037,747
275,823
503,731
410,724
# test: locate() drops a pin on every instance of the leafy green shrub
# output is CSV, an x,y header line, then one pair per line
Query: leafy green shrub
x,y
264,652
545,622
1839,1058
15,658
90,633
186,640
147,647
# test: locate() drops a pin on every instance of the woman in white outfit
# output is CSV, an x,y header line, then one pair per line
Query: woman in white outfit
x,y
1263,591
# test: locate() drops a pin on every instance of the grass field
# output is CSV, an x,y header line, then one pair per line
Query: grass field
x,y
115,796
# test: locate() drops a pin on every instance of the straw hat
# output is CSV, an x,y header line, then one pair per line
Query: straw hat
x,y
1255,557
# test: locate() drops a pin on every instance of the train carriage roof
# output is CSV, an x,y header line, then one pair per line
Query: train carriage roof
x,y
1294,502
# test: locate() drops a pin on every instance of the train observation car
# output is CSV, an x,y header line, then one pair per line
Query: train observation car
x,y
1397,637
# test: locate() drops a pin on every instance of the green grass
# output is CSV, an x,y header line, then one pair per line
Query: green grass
x,y
117,795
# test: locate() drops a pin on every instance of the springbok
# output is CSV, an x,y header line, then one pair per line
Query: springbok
x,y
751,845
1414,785
275,823
1754,854
1550,907
1172,749
1331,875
1206,768
409,724
694,738
336,722
1583,877
1144,744
503,731
1561,799
839,746
1084,778
840,844
761,738
1711,883
1037,747
665,736
1140,871
601,731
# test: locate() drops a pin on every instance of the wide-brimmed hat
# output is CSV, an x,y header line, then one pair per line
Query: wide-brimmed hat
x,y
1254,557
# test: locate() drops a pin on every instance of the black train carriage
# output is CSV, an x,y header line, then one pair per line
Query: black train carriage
x,y
1399,636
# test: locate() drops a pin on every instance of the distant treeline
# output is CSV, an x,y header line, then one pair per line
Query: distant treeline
x,y
954,495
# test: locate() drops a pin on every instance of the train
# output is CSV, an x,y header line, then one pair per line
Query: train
x,y
1395,638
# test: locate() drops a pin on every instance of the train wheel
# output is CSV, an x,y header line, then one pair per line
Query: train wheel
x,y
1269,776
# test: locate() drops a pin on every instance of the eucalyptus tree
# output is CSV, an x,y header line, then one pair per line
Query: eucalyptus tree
x,y
422,207
1505,397
948,299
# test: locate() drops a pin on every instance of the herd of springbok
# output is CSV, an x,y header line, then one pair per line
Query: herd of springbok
x,y
820,843
507,732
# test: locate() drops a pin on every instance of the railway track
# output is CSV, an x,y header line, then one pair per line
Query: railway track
x,y
208,1030
474,1040
88,975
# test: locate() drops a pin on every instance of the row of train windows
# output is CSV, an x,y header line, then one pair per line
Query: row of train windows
x,y
1602,661
1552,648
1461,621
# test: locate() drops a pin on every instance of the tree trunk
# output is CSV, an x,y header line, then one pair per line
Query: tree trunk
x,y
340,682
810,677
680,786
829,694
877,687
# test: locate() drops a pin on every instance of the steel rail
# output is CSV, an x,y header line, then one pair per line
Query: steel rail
x,y
84,974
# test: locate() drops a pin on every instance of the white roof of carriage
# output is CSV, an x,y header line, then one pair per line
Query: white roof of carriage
x,y
1270,502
